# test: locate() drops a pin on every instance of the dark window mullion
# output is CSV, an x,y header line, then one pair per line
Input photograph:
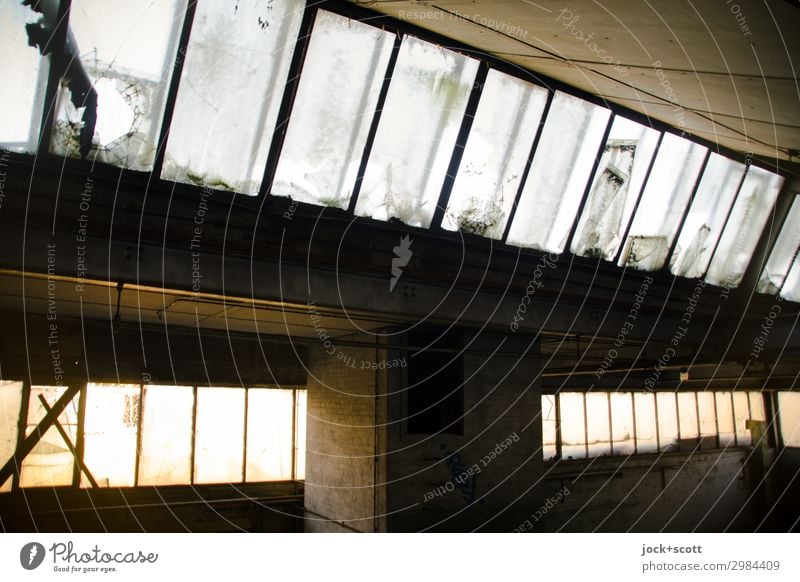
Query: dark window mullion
x,y
58,67
376,118
461,144
79,437
289,94
172,93
22,428
524,178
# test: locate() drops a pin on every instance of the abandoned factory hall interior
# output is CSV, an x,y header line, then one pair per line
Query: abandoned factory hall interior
x,y
399,266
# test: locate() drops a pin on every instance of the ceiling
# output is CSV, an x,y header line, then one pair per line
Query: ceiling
x,y
723,71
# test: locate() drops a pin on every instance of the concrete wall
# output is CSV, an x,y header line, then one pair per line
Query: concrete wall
x,y
484,477
342,440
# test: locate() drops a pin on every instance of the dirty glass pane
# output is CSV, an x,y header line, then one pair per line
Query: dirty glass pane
x,y
741,412
326,136
111,107
23,69
494,158
663,202
646,435
417,133
597,425
615,188
667,421
622,423
725,420
166,435
749,215
687,415
10,402
783,253
219,435
559,173
757,411
548,426
232,84
110,433
789,415
708,418
573,429
300,434
269,434
706,217
50,463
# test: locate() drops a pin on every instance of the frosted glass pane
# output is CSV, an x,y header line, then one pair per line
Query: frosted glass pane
x,y
687,415
749,215
757,411
110,433
300,434
219,435
725,420
10,402
269,435
573,429
166,435
50,463
622,423
232,84
789,414
326,136
127,48
706,217
559,173
646,434
597,426
708,418
548,427
791,289
417,133
741,410
615,188
495,156
24,70
667,421
666,194
783,253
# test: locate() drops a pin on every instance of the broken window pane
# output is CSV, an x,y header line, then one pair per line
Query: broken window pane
x,y
23,68
573,429
687,415
110,433
706,217
789,415
495,156
783,253
749,215
113,97
646,434
708,417
50,463
548,426
326,136
269,434
667,421
663,202
725,421
741,411
10,402
166,435
232,84
219,435
622,423
417,133
615,188
791,289
559,173
300,434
